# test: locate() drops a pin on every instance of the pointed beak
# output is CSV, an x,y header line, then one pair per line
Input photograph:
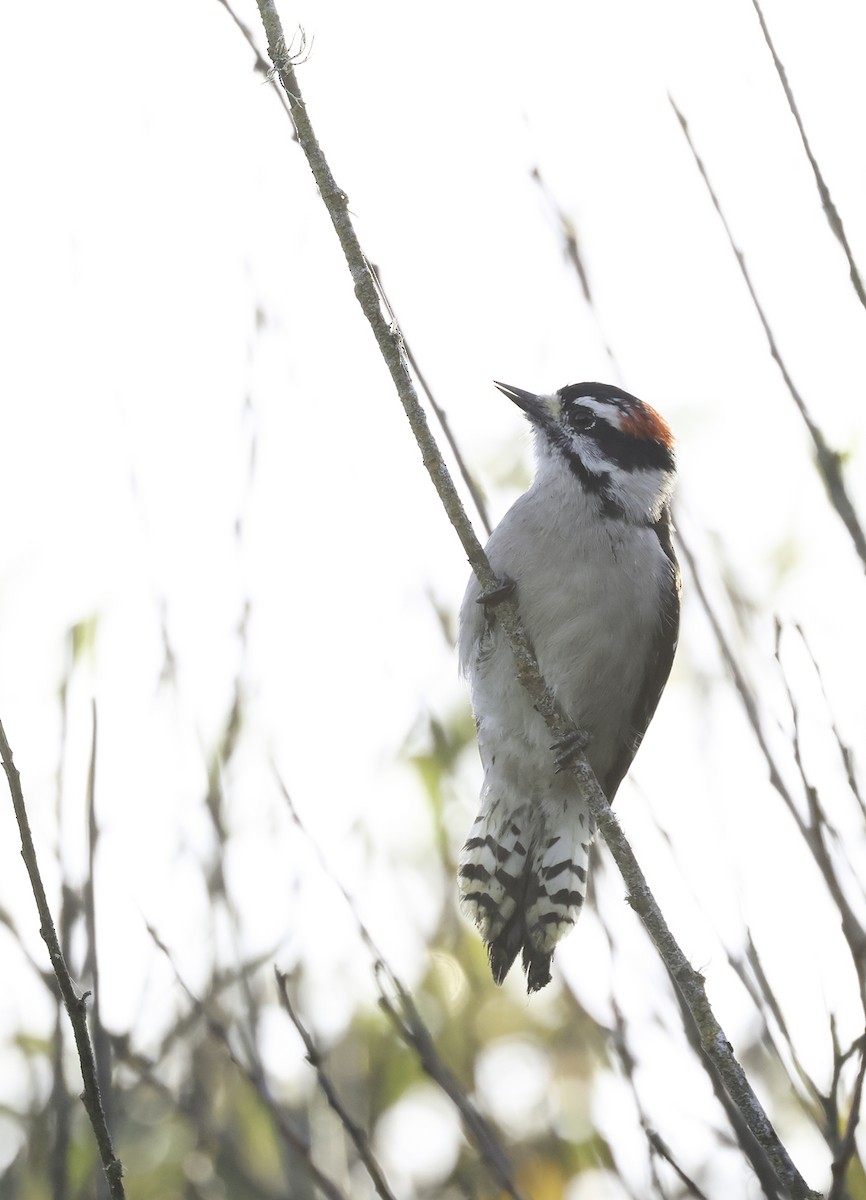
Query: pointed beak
x,y
532,405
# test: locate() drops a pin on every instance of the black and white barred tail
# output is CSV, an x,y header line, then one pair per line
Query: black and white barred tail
x,y
522,880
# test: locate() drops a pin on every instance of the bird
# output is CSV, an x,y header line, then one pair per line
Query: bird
x,y
587,553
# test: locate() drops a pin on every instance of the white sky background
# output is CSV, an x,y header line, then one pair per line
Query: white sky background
x,y
153,201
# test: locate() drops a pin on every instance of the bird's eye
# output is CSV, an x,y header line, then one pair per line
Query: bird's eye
x,y
581,421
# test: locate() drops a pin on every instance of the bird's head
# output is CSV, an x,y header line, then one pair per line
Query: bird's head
x,y
618,448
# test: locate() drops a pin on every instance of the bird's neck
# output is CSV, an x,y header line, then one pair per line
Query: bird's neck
x,y
637,496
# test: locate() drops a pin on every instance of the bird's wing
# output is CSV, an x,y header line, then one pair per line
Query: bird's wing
x,y
659,662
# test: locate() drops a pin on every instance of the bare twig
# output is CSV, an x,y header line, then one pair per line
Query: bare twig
x,y
406,1020
568,232
845,751
358,1135
571,249
658,1147
61,1104
828,461
101,1044
185,1104
441,416
815,832
76,1006
689,982
761,990
765,1170
810,830
284,1127
408,1023
830,210
261,63
846,1152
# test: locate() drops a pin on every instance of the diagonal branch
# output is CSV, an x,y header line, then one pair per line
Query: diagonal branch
x,y
690,982
316,1060
827,460
406,1019
399,1008
293,1138
76,1006
811,829
441,416
830,210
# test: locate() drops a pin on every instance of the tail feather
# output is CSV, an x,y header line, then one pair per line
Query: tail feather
x,y
523,880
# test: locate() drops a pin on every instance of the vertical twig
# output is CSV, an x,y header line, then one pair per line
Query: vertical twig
x,y
846,1152
76,1006
101,1045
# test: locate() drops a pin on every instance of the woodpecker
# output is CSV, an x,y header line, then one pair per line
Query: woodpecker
x,y
587,552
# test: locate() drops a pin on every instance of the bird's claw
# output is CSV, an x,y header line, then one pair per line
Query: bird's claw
x,y
566,748
504,591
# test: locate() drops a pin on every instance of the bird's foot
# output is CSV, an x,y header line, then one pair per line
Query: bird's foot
x,y
566,748
504,591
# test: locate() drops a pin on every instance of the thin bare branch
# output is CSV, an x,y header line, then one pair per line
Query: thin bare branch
x,y
261,63
828,461
661,1148
811,830
846,1152
185,1103
441,416
640,897
568,232
845,751
761,990
101,1044
830,210
406,1020
762,1165
817,832
61,1102
409,1025
76,1006
358,1135
292,1137
658,1147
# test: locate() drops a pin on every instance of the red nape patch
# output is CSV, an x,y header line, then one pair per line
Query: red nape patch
x,y
641,421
